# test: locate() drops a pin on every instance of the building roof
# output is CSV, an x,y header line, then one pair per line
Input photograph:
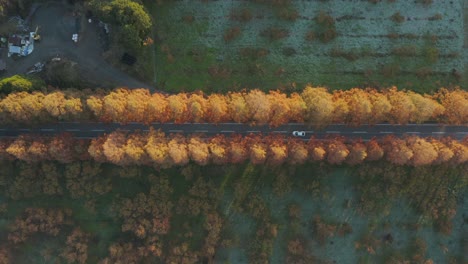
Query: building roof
x,y
15,40
14,49
21,44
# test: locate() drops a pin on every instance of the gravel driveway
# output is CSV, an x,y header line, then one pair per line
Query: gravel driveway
x,y
57,24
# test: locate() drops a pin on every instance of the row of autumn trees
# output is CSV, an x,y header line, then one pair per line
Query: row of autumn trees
x,y
313,105
155,148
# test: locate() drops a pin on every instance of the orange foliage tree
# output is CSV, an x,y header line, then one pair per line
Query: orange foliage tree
x,y
319,105
381,107
199,150
197,107
317,150
277,150
374,150
298,153
424,152
135,149
238,108
219,149
113,148
157,148
137,105
337,151
258,150
455,105
397,151
357,153
360,108
238,149
259,106
157,109
403,107
280,108
177,105
178,150
217,109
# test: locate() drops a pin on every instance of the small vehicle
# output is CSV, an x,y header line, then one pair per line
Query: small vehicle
x,y
298,133
38,67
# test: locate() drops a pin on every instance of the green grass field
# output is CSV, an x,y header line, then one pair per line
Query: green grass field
x,y
369,49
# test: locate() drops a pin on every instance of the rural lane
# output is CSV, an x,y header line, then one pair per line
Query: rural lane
x,y
365,132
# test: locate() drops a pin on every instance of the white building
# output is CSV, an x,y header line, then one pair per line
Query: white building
x,y
22,45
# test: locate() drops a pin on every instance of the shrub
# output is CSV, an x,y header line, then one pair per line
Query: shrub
x,y
310,36
431,54
328,35
390,70
188,19
274,33
231,33
397,17
425,2
243,15
288,14
437,16
406,51
423,72
289,51
253,53
325,19
327,31
19,83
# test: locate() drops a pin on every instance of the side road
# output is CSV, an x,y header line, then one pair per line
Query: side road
x,y
56,26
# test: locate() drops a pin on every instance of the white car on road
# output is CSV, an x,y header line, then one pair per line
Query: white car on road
x,y
298,133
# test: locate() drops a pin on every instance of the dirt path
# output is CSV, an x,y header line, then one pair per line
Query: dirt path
x,y
57,24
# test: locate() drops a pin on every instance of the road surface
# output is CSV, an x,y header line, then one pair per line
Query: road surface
x,y
95,129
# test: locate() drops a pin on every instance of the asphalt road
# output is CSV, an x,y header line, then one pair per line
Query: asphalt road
x,y
95,129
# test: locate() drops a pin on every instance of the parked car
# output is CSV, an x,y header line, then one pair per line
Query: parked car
x,y
298,133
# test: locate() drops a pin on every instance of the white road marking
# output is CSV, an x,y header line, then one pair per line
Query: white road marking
x,y
386,132
47,129
201,131
176,131
227,131
253,131
280,132
413,132
461,133
2,129
438,132
359,132
333,132
98,130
